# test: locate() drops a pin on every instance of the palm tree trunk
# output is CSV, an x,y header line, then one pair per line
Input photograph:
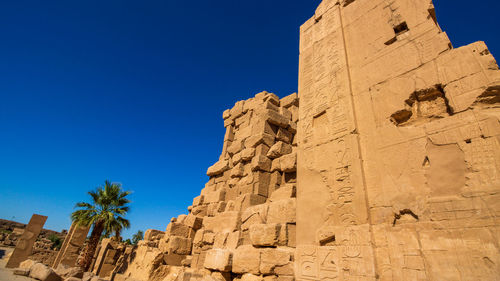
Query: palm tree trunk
x,y
89,251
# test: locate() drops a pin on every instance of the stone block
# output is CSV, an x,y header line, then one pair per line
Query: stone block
x,y
265,95
275,165
236,158
177,245
173,259
182,218
285,113
221,276
228,122
288,162
254,215
270,277
284,270
274,181
279,149
218,168
262,149
220,239
284,135
215,196
65,272
198,200
261,163
255,140
251,277
224,222
286,191
237,171
285,278
179,229
193,221
247,200
274,118
221,207
187,261
247,154
27,264
226,114
282,211
261,126
261,183
43,273
153,234
208,238
235,147
290,100
198,260
199,210
246,259
198,237
264,234
218,259
237,110
21,271
287,235
212,209
233,240
272,258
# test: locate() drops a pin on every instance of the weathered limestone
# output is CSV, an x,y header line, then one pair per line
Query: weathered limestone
x,y
26,241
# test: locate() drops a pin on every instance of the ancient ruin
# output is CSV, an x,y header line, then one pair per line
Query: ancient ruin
x,y
384,166
26,241
72,245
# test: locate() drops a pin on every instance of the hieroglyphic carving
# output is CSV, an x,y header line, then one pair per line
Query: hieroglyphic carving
x,y
26,241
317,263
343,262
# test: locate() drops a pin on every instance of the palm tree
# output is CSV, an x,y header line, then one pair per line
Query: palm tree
x,y
105,213
138,236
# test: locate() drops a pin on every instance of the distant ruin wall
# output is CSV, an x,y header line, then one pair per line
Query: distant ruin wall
x,y
390,173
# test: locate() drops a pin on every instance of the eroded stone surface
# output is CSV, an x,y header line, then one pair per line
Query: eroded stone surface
x,y
392,127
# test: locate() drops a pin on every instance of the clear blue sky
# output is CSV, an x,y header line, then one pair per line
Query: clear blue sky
x,y
133,91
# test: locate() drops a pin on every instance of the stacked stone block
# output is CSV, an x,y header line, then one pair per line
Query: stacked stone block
x,y
248,205
245,214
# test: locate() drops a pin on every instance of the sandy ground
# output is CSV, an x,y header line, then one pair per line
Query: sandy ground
x,y
5,273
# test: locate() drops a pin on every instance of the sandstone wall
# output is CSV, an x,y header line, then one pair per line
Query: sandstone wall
x,y
390,173
398,148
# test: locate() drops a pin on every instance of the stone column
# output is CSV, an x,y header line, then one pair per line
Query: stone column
x,y
26,241
333,237
63,247
72,245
